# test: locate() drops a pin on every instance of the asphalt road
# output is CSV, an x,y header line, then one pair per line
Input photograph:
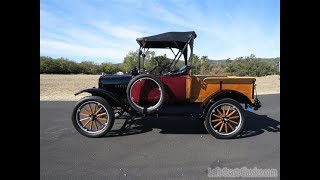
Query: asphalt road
x,y
167,147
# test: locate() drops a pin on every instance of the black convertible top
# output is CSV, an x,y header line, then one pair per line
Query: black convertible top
x,y
167,40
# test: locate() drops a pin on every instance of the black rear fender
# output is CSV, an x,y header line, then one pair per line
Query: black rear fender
x,y
238,96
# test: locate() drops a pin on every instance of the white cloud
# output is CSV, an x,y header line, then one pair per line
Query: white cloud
x,y
104,41
87,52
241,37
121,32
97,33
159,12
47,19
89,37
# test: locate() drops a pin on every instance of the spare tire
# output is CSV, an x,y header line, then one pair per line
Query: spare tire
x,y
145,109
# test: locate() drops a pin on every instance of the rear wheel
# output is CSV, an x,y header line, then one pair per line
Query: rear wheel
x,y
225,119
93,116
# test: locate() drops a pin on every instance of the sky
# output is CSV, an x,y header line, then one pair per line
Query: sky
x,y
106,30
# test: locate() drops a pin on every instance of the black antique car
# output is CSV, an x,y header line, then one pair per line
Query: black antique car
x,y
215,100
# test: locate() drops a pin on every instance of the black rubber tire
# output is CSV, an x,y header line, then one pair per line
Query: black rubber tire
x,y
104,103
162,98
208,119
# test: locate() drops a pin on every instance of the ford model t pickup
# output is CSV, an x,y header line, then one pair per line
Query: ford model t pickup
x,y
218,100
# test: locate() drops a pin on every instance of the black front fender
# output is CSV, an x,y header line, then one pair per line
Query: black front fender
x,y
102,93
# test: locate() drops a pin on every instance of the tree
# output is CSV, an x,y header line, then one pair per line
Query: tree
x,y
251,66
109,68
47,65
89,67
163,62
130,61
217,70
204,66
247,66
196,64
65,66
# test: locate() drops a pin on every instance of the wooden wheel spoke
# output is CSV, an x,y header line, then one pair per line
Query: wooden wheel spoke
x,y
91,125
90,109
94,109
219,111
225,127
99,122
221,127
216,115
84,119
232,113
95,125
228,110
223,111
233,121
83,114
230,126
98,110
86,110
215,120
217,124
99,115
86,123
234,117
102,119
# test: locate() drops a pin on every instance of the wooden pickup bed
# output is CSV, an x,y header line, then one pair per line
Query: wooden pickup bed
x,y
200,88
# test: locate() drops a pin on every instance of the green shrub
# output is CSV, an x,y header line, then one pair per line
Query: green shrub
x,y
248,66
251,67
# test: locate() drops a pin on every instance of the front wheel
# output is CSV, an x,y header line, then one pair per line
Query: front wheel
x,y
225,119
93,116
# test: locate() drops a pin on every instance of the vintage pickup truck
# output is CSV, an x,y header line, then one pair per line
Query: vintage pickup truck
x,y
216,100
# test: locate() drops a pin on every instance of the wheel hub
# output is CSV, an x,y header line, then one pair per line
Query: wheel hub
x,y
225,119
92,117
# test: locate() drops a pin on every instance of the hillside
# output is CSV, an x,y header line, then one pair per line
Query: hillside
x,y
223,61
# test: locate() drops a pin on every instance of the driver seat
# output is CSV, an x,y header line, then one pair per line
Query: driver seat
x,y
184,70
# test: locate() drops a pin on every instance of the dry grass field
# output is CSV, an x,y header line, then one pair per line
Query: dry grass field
x,y
63,87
